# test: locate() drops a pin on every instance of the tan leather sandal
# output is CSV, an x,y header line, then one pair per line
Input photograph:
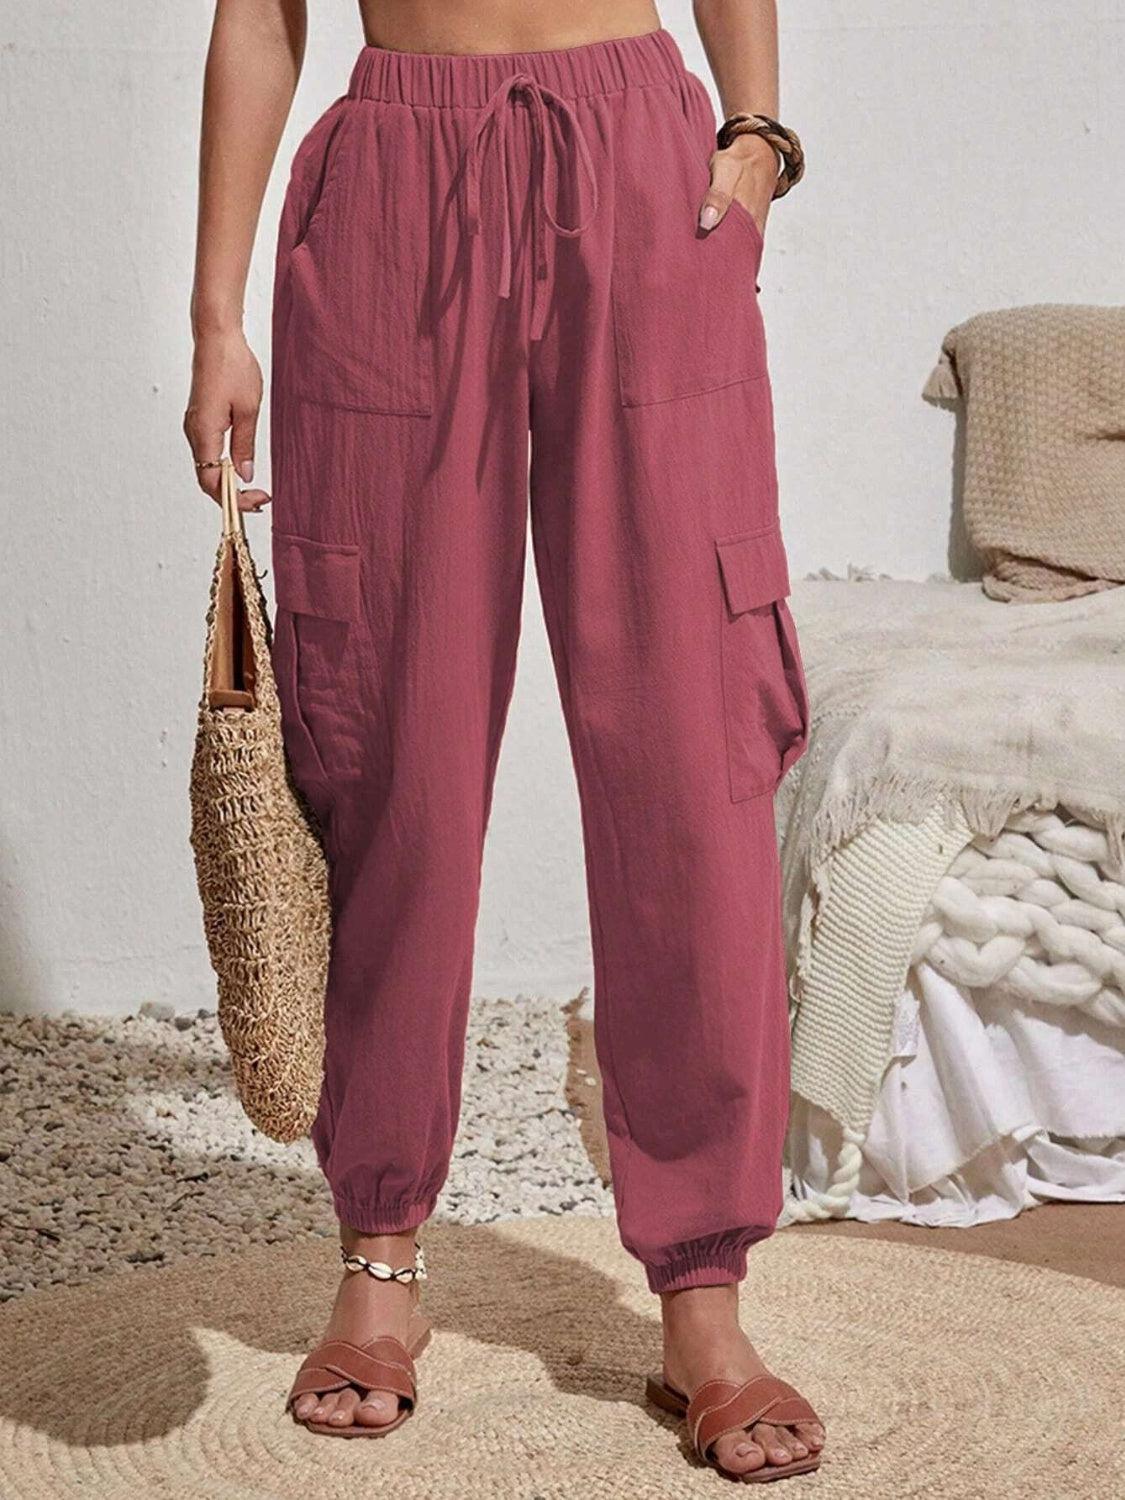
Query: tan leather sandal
x,y
719,1407
382,1364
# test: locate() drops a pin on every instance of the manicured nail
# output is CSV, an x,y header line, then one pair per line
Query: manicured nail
x,y
246,471
708,216
742,1450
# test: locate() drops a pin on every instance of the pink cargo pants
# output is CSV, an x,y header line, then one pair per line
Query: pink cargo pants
x,y
477,255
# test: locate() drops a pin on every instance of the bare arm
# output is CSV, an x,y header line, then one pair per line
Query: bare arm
x,y
740,39
253,65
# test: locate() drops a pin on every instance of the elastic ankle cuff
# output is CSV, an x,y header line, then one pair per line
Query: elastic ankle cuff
x,y
690,1270
383,1218
714,1261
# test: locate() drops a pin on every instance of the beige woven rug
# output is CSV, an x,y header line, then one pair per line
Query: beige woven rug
x,y
938,1374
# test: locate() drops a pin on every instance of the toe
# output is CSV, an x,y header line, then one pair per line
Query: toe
x,y
737,1454
346,1403
811,1434
377,1409
774,1442
304,1406
796,1443
325,1407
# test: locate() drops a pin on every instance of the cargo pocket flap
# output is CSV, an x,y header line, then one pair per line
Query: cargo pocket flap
x,y
754,569
316,578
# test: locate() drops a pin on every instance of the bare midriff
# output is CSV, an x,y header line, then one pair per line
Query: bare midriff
x,y
468,26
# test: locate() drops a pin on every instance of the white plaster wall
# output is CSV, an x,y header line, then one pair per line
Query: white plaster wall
x,y
962,155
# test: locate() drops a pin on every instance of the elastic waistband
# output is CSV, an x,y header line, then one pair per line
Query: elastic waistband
x,y
468,81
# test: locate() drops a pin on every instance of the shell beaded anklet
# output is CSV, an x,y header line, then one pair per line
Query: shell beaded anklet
x,y
383,1272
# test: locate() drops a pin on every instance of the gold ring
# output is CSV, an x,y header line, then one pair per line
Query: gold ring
x,y
210,463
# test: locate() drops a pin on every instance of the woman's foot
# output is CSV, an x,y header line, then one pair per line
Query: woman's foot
x,y
365,1309
703,1341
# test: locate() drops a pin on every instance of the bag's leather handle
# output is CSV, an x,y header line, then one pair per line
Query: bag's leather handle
x,y
228,496
231,670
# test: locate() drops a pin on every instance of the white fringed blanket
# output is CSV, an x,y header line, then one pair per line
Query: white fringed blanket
x,y
938,715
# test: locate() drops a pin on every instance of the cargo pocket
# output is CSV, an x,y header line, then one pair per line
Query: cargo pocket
x,y
315,660
764,698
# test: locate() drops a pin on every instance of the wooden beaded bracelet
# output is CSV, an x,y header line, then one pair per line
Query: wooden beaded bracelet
x,y
784,141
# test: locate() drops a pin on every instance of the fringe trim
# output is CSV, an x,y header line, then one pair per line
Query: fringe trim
x,y
904,796
943,384
866,573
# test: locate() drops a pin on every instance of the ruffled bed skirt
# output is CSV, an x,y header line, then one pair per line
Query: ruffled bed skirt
x,y
990,1105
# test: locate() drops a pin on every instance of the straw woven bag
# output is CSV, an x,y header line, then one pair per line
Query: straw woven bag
x,y
259,863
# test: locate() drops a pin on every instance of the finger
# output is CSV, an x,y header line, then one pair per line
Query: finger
x,y
242,432
252,500
205,432
725,172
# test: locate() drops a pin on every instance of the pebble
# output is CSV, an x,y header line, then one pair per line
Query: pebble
x,y
124,1144
158,1010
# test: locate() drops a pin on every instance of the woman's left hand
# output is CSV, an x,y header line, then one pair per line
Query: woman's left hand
x,y
746,170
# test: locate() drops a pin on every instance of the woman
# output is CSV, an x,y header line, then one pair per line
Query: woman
x,y
515,229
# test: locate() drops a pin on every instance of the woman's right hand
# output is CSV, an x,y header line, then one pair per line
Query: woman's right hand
x,y
226,392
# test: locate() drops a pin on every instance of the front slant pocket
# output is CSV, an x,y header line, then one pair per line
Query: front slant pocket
x,y
764,696
685,307
356,331
315,659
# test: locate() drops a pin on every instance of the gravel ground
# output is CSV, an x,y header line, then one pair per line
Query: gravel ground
x,y
121,1142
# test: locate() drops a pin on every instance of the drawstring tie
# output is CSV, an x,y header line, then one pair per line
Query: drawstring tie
x,y
541,102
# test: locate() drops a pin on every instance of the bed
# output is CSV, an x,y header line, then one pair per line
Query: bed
x,y
954,890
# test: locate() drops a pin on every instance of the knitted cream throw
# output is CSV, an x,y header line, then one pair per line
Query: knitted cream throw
x,y
1044,393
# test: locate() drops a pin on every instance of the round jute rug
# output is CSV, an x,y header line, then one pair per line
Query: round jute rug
x,y
938,1374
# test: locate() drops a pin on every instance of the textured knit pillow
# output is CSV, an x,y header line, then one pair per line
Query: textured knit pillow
x,y
1044,393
